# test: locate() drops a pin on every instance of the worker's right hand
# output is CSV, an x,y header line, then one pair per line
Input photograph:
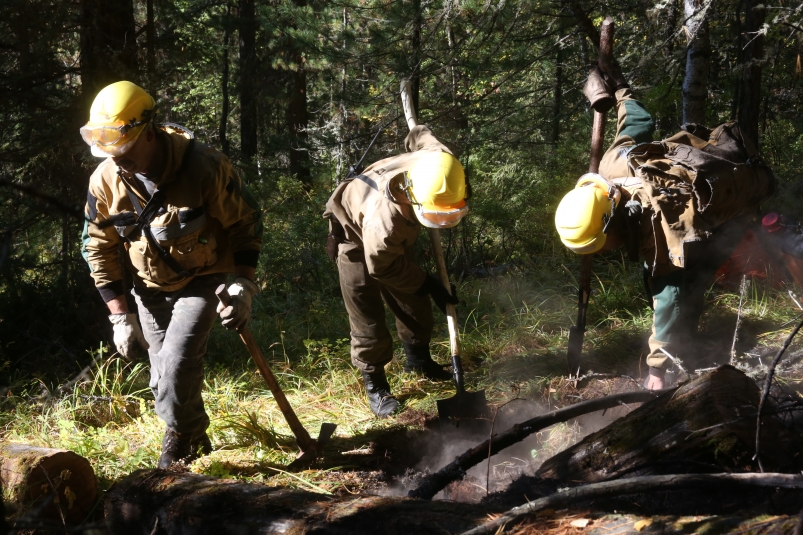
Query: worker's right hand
x,y
438,292
237,314
598,91
127,334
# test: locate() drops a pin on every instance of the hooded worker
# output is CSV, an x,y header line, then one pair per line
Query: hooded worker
x,y
168,218
682,204
375,219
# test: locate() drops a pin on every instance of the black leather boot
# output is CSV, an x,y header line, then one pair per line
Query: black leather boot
x,y
178,448
419,359
382,402
175,448
200,445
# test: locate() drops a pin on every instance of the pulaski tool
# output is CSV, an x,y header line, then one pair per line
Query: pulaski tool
x,y
577,332
466,411
310,448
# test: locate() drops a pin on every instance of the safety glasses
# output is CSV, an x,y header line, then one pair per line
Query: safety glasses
x,y
433,218
104,136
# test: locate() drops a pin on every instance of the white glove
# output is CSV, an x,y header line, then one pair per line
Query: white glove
x,y
127,334
237,314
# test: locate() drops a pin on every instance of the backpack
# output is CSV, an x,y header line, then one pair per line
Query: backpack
x,y
696,181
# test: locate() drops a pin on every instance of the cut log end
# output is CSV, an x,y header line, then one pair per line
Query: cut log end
x,y
33,477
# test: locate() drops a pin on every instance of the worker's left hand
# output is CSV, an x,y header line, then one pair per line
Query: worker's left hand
x,y
440,295
237,314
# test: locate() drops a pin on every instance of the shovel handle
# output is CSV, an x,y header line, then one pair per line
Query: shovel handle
x,y
303,438
437,251
451,312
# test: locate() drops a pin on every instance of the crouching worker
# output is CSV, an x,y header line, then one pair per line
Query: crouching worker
x,y
682,204
375,219
170,217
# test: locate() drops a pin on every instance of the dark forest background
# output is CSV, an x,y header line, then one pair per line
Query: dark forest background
x,y
294,90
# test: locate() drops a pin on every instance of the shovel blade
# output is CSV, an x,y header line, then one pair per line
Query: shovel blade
x,y
314,449
466,413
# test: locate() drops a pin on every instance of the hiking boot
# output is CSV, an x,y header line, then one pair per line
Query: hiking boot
x,y
199,446
419,359
382,402
175,448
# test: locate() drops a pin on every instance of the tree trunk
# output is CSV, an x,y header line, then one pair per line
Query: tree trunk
x,y
415,88
153,502
750,94
669,29
698,54
151,36
708,425
248,108
108,45
297,114
31,475
224,88
557,102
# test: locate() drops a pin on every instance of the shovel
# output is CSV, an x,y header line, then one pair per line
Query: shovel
x,y
466,411
310,448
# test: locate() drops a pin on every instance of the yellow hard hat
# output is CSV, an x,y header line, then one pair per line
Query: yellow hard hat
x,y
116,119
436,187
584,212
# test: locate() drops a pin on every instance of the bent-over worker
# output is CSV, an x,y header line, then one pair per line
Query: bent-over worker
x,y
172,217
682,204
375,219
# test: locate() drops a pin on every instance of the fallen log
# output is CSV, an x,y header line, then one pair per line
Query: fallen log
x,y
47,484
637,485
154,502
707,425
437,481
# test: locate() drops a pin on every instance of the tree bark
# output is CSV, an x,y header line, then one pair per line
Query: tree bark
x,y
708,425
753,55
108,45
698,55
248,108
154,502
31,475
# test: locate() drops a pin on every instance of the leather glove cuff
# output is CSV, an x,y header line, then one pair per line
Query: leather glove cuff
x,y
598,91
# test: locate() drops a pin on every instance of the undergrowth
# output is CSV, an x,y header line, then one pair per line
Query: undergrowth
x,y
514,329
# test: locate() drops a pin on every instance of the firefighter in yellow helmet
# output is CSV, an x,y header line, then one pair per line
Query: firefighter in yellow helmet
x,y
656,198
375,219
167,220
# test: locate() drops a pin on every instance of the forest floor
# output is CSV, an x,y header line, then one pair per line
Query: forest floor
x,y
514,329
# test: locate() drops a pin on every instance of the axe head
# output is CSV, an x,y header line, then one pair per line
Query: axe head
x,y
314,449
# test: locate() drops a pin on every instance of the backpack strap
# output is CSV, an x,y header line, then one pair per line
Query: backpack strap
x,y
145,215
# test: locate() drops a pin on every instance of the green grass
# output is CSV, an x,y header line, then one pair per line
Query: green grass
x,y
513,330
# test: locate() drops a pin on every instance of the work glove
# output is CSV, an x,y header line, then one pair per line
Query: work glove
x,y
633,208
598,91
237,314
127,334
438,292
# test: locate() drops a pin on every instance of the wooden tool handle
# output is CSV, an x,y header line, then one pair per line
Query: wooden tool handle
x,y
303,438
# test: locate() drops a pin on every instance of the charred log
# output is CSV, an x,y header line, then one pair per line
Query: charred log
x,y
153,502
707,425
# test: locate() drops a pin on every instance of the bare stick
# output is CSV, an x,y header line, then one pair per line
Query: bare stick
x,y
635,485
433,483
742,290
766,393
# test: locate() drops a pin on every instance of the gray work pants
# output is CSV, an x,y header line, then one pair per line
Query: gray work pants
x,y
176,326
371,343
